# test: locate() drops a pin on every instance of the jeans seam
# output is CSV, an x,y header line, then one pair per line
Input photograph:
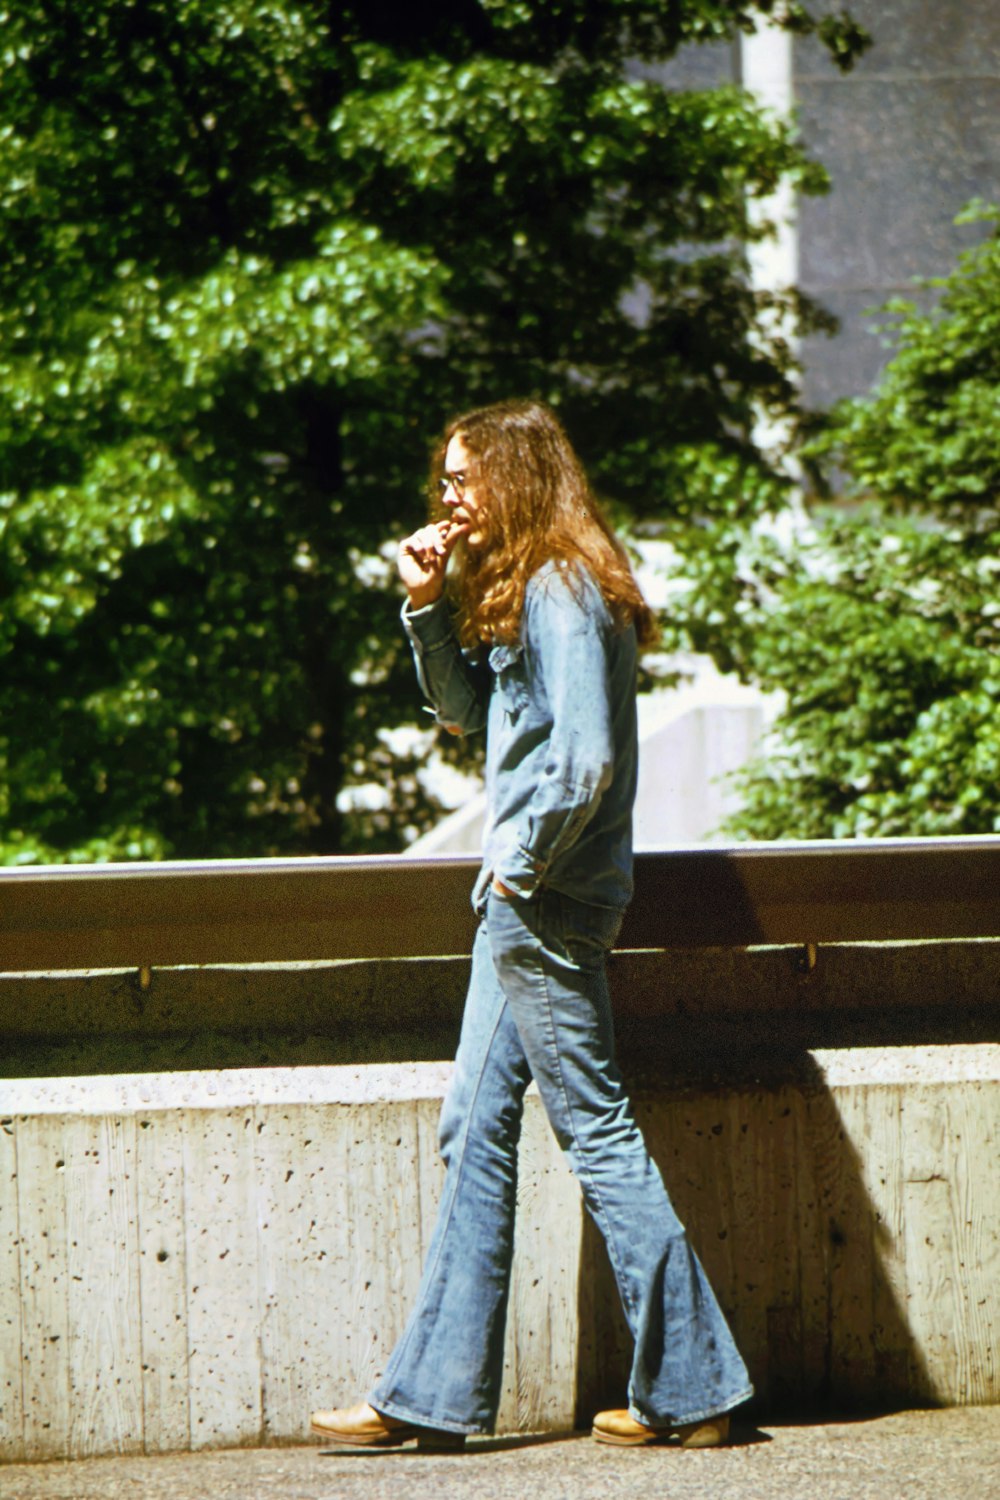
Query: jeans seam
x,y
609,1234
399,1351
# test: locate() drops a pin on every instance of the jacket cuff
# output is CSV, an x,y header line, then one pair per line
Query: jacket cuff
x,y
430,626
520,873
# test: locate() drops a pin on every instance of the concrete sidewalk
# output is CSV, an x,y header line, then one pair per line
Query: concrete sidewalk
x,y
953,1454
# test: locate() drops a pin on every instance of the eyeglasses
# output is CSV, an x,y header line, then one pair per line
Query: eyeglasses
x,y
456,481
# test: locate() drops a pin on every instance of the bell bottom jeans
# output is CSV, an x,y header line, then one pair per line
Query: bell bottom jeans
x,y
538,1007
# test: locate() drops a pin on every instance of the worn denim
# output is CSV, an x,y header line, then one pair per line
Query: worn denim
x,y
538,1007
559,709
561,745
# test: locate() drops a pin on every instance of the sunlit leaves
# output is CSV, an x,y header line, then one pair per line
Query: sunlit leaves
x,y
252,254
67,543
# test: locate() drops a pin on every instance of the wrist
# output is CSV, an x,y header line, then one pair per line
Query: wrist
x,y
420,598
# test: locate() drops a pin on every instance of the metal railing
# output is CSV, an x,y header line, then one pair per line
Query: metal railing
x,y
64,917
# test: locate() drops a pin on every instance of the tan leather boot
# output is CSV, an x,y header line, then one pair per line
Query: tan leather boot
x,y
368,1428
618,1427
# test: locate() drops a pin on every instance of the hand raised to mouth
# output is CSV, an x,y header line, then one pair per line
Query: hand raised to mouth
x,y
422,558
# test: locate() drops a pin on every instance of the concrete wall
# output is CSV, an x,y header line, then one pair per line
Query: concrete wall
x,y
202,1274
196,1255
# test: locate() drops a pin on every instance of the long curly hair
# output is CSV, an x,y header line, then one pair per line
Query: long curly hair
x,y
537,507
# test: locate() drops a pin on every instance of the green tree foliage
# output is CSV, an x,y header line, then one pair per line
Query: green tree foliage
x,y
251,256
883,629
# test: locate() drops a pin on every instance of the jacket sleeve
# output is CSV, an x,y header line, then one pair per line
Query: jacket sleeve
x,y
455,685
567,637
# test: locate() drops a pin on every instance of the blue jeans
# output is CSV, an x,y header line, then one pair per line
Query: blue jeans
x,y
538,1007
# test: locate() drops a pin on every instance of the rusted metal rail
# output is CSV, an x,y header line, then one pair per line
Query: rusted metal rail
x,y
280,910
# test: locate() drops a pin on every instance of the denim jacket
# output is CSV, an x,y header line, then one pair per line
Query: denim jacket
x,y
561,744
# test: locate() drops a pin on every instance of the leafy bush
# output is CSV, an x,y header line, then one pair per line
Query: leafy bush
x,y
882,626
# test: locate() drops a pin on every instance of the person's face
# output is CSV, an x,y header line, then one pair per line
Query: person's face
x,y
459,492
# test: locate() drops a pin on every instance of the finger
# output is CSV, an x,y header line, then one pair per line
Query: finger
x,y
454,533
423,544
434,538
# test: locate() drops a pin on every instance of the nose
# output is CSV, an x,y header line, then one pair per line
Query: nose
x,y
449,496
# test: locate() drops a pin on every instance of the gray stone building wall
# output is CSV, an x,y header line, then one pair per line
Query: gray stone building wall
x,y
908,137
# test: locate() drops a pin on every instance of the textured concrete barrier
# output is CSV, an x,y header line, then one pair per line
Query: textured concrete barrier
x,y
194,1254
200,1259
847,1223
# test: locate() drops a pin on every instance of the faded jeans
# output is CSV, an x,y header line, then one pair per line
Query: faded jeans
x,y
538,1007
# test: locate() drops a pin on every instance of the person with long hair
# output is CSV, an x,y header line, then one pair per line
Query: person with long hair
x,y
538,644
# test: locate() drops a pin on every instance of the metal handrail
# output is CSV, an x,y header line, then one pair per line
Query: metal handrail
x,y
144,915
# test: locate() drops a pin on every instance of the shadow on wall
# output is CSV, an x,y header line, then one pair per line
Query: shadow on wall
x,y
809,1266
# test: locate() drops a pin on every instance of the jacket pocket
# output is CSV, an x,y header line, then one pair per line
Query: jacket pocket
x,y
507,663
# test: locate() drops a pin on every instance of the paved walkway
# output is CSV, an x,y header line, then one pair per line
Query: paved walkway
x,y
924,1455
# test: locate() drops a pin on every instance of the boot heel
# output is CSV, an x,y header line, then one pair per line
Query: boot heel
x,y
440,1441
712,1434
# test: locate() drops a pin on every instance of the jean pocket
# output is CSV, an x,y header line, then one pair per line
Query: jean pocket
x,y
587,932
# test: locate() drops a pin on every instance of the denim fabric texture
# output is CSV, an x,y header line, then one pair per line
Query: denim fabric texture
x,y
561,745
538,1007
559,709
